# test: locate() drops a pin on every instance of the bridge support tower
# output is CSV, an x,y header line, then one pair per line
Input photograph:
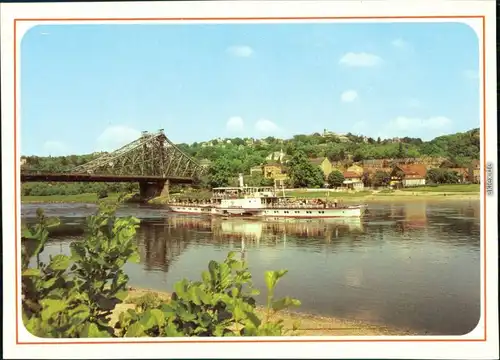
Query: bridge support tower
x,y
150,190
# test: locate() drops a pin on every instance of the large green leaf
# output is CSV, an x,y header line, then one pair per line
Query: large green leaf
x,y
148,320
193,295
59,263
270,279
31,272
51,307
171,331
49,283
205,276
159,316
80,314
135,330
92,331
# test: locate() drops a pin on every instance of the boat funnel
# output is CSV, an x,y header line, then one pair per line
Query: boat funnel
x,y
240,179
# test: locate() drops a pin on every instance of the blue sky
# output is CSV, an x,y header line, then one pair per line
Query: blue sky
x,y
88,88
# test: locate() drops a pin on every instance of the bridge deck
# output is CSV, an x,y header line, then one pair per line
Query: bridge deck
x,y
64,177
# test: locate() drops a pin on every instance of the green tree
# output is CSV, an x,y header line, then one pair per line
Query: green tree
x,y
302,173
335,179
442,176
259,180
401,151
220,173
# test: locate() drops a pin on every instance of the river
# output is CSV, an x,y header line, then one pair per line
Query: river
x,y
412,266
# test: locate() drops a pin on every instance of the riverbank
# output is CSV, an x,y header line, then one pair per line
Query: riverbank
x,y
372,196
79,198
310,325
453,192
439,192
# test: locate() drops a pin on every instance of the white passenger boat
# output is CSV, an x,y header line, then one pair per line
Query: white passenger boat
x,y
265,202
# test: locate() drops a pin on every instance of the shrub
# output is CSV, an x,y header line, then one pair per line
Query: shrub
x,y
74,296
222,304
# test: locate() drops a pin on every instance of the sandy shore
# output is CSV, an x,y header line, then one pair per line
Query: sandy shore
x,y
310,325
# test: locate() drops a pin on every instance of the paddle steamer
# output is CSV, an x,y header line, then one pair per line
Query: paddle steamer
x,y
265,202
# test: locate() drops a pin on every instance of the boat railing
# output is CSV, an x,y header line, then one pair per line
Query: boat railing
x,y
304,206
185,203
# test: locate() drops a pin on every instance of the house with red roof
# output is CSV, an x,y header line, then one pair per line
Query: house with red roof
x,y
353,180
408,175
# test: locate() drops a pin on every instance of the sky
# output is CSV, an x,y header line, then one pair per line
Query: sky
x,y
87,88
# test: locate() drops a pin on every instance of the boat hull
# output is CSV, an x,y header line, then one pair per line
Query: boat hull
x,y
299,213
320,213
191,209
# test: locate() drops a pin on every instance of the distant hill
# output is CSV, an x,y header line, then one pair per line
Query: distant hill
x,y
236,155
243,153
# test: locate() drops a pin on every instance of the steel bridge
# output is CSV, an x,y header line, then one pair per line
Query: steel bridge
x,y
152,160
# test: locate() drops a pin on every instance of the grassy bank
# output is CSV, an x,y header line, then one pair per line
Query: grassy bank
x,y
80,198
310,325
448,188
457,192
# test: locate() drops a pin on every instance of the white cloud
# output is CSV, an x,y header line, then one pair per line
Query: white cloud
x,y
360,60
471,74
44,33
400,43
54,148
116,136
235,123
349,96
266,126
240,51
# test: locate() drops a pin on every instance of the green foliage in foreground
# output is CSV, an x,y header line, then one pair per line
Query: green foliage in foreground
x,y
74,296
221,304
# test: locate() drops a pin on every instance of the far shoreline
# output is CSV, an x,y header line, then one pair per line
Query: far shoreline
x,y
372,197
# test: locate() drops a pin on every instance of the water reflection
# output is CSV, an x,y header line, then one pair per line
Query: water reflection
x,y
410,265
162,242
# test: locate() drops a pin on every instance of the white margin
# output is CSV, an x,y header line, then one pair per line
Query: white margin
x,y
245,9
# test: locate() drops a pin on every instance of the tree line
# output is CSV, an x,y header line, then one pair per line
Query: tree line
x,y
232,156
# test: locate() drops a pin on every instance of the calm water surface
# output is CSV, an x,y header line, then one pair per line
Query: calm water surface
x,y
413,266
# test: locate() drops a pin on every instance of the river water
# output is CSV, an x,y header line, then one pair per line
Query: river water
x,y
412,266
